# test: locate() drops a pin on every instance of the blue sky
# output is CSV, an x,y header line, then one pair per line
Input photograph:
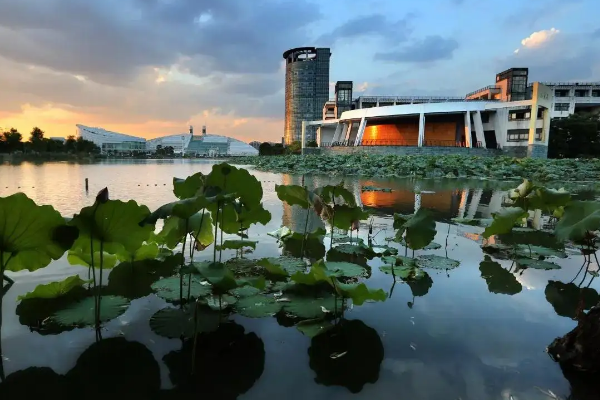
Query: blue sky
x,y
152,67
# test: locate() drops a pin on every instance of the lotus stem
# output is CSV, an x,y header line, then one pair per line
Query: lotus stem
x,y
215,235
2,376
221,248
99,288
304,235
332,216
182,264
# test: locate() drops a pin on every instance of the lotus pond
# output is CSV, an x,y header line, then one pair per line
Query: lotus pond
x,y
200,278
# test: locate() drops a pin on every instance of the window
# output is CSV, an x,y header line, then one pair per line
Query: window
x,y
485,118
561,93
538,134
519,115
517,135
540,113
561,107
581,93
595,93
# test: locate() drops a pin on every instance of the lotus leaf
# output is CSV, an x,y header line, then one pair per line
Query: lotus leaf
x,y
31,236
420,229
258,306
403,272
357,249
399,261
436,262
82,256
504,221
82,313
115,223
359,292
245,291
134,280
191,186
580,218
281,233
536,264
237,244
293,195
314,327
220,304
345,269
176,323
419,287
169,288
346,216
229,179
283,266
218,275
54,290
310,307
330,193
183,209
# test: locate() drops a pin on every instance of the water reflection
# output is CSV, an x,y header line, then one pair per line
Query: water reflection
x,y
498,279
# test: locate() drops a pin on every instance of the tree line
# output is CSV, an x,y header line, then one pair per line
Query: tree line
x,y
577,136
11,141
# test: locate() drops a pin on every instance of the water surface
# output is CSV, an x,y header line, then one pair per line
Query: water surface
x,y
459,341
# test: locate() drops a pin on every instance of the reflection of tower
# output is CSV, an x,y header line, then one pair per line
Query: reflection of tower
x,y
294,217
306,89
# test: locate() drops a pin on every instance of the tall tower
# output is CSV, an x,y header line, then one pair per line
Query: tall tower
x,y
306,90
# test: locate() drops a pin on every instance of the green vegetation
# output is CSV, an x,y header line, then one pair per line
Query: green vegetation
x,y
11,142
449,166
575,136
308,287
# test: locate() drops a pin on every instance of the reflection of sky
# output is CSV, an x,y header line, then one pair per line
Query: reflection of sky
x,y
469,343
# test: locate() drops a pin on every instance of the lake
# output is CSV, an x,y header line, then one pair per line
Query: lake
x,y
457,340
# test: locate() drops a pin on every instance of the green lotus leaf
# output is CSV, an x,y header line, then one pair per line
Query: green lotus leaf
x,y
134,280
191,186
281,233
31,236
536,264
175,228
547,200
283,286
346,215
311,247
430,246
359,292
53,290
175,323
219,304
580,217
483,222
403,272
420,229
311,307
537,251
234,217
318,273
293,195
567,298
332,193
345,269
357,249
399,261
259,306
237,244
314,327
283,266
258,282
245,291
436,262
114,223
504,221
82,313
217,274
183,209
82,256
400,219
229,179
498,279
169,288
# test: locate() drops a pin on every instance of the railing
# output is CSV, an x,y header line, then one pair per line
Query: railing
x,y
389,142
399,142
490,87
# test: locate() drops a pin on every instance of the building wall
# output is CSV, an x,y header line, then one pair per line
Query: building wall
x,y
409,150
399,131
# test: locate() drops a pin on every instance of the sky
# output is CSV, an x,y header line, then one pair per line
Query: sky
x,y
154,67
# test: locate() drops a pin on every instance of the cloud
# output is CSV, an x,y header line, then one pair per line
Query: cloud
x,y
370,25
552,55
432,48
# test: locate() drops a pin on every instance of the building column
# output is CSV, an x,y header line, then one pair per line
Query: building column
x,y
474,203
348,130
468,129
421,139
361,131
546,128
303,140
338,132
532,122
479,128
463,203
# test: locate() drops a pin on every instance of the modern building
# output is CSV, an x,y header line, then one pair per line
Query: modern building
x,y
255,144
343,97
306,89
384,101
573,97
485,127
511,85
183,144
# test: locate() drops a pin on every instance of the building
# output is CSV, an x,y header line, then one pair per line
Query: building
x,y
343,97
384,101
573,97
255,144
306,89
484,127
511,85
183,143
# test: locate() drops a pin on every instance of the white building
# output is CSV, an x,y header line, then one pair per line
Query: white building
x,y
572,97
519,128
187,143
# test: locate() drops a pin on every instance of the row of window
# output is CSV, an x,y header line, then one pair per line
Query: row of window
x,y
561,106
578,93
520,135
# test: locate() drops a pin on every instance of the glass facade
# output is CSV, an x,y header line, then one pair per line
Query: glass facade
x,y
306,90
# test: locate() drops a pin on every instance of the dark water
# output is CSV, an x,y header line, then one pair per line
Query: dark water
x,y
459,341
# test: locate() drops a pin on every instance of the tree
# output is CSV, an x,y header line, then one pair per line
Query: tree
x,y
169,150
265,149
12,140
54,146
70,144
86,146
312,143
294,148
36,139
575,136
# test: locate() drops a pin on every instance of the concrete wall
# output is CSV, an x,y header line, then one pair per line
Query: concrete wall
x,y
537,151
409,150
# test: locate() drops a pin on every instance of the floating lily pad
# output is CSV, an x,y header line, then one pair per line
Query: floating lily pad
x,y
430,246
314,327
54,290
359,292
283,265
406,273
436,262
399,261
169,288
175,323
357,249
215,304
310,307
242,266
135,280
536,264
258,306
82,313
346,269
245,291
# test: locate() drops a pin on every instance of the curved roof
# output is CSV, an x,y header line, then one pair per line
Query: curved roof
x,y
290,51
107,135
